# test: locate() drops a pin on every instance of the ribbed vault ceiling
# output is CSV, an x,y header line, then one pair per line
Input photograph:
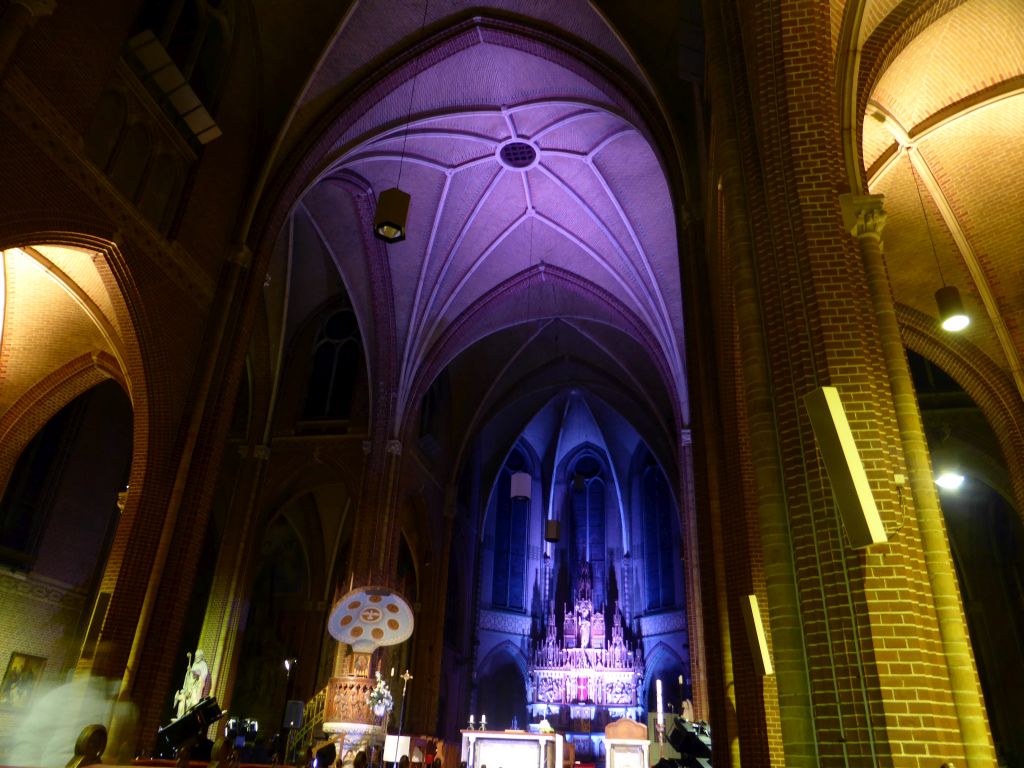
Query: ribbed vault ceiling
x,y
942,140
505,270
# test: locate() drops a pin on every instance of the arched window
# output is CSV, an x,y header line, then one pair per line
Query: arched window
x,y
511,521
105,128
242,414
160,193
433,408
132,160
60,497
25,507
588,518
502,689
337,354
197,35
659,541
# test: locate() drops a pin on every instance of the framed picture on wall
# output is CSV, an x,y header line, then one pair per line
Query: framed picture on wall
x,y
20,679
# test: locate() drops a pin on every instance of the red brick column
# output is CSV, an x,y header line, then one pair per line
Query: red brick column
x,y
882,684
422,708
865,215
795,728
173,550
226,609
691,572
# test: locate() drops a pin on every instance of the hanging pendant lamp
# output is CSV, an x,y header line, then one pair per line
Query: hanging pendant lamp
x,y
393,204
952,315
951,308
392,211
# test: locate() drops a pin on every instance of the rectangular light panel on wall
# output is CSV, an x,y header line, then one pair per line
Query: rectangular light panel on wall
x,y
756,636
845,470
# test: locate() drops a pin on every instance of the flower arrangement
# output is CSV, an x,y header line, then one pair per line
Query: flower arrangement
x,y
379,698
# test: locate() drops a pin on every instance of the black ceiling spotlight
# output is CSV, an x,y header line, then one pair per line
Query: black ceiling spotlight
x,y
389,219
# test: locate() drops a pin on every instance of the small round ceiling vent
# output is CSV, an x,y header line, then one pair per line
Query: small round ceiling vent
x,y
518,155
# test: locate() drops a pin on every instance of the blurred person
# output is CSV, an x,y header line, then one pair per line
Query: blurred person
x,y
47,731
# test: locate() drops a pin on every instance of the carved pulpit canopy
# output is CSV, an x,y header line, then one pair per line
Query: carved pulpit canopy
x,y
370,617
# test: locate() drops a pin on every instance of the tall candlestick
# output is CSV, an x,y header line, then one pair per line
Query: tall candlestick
x,y
661,707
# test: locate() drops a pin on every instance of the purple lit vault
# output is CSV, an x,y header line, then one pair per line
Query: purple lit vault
x,y
540,276
586,233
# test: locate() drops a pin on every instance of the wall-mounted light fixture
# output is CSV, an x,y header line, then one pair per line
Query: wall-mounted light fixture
x,y
949,479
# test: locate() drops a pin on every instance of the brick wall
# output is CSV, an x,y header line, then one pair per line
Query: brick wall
x,y
42,618
870,635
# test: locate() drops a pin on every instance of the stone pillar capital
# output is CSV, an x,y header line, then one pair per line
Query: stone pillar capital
x,y
863,215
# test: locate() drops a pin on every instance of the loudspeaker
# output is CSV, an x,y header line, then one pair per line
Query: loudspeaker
x,y
551,532
293,714
756,636
845,470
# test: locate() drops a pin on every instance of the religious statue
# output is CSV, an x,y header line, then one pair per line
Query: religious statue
x,y
196,685
584,627
687,710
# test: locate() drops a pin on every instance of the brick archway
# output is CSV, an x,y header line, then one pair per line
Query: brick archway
x,y
95,282
981,378
20,423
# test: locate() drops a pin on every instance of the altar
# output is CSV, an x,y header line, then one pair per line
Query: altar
x,y
583,678
511,749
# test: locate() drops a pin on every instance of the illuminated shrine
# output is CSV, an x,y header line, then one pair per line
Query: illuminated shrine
x,y
587,677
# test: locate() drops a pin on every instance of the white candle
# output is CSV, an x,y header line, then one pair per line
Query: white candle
x,y
661,708
680,683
